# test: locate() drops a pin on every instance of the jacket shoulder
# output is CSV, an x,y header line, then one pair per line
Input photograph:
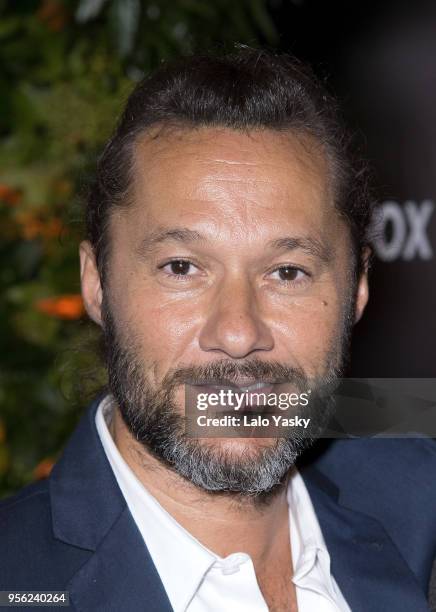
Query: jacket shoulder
x,y
31,557
396,466
391,480
23,511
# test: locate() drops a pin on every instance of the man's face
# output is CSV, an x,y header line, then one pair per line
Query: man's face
x,y
231,254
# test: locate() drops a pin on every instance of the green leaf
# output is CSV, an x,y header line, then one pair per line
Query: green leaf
x,y
125,16
89,9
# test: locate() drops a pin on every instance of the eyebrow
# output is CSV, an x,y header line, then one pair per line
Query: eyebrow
x,y
183,235
312,246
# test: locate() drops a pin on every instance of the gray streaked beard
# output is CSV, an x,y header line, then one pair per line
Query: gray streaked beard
x,y
153,418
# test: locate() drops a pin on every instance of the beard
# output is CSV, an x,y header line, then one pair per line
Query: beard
x,y
252,470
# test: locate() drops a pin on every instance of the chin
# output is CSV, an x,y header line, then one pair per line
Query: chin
x,y
238,446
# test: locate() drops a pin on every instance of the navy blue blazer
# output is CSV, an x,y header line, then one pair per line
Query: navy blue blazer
x,y
375,500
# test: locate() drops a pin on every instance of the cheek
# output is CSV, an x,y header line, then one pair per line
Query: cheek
x,y
168,327
308,328
161,327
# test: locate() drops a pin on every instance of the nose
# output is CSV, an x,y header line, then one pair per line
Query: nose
x,y
234,325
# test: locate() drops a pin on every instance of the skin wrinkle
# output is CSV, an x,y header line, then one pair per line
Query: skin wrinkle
x,y
311,246
306,150
228,162
235,311
235,238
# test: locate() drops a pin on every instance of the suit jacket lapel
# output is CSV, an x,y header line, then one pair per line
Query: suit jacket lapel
x,y
120,575
89,512
365,562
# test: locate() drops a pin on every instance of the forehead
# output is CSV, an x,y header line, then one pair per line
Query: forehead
x,y
260,178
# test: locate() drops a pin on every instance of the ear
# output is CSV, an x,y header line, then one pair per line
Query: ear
x,y
92,292
362,286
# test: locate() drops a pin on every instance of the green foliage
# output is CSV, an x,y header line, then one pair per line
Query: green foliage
x,y
66,67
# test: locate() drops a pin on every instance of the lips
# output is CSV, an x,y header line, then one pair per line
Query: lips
x,y
238,387
259,387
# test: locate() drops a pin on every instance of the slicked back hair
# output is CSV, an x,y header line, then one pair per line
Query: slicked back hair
x,y
246,90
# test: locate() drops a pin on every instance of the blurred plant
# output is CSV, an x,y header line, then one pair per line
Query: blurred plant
x,y
66,66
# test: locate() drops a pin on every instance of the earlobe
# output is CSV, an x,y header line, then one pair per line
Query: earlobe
x,y
362,297
362,287
92,292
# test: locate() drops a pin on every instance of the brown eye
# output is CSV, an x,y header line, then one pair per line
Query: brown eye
x,y
288,273
179,267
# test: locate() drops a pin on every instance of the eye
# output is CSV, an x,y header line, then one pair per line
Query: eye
x,y
289,274
179,267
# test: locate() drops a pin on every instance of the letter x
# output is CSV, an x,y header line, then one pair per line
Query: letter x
x,y
417,241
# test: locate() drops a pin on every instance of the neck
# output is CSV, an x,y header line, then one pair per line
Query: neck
x,y
223,522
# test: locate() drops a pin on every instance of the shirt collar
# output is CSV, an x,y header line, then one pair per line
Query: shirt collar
x,y
307,541
180,559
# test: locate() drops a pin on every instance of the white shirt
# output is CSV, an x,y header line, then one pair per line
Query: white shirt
x,y
196,579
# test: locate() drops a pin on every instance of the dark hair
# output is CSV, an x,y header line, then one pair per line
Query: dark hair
x,y
248,89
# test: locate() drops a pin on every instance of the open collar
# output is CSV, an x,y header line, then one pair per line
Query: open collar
x,y
365,562
181,560
89,512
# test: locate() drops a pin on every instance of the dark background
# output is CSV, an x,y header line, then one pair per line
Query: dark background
x,y
381,60
66,67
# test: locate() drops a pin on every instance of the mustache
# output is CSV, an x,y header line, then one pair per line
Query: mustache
x,y
230,372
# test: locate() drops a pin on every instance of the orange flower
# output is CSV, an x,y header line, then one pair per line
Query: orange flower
x,y
62,307
9,195
63,187
31,226
54,14
43,468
